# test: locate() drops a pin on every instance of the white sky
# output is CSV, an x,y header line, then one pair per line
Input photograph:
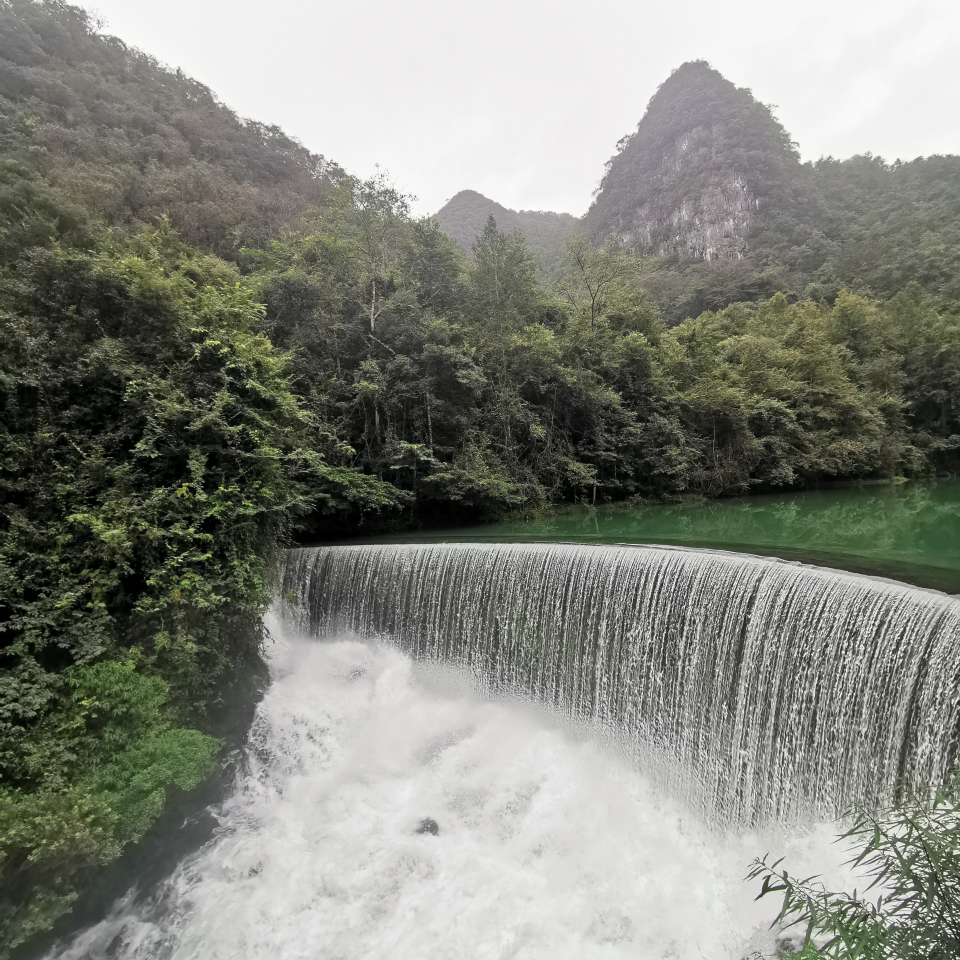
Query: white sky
x,y
524,100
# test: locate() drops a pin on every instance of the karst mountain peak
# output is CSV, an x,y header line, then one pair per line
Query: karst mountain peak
x,y
705,160
710,193
691,180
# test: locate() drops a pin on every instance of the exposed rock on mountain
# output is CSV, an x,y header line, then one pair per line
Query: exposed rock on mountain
x,y
710,191
706,162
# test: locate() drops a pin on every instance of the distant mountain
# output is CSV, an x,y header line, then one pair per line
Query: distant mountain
x,y
713,183
705,164
710,191
463,217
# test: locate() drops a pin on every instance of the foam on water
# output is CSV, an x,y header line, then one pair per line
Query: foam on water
x,y
548,846
780,690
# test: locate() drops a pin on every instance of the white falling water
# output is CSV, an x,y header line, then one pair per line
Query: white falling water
x,y
771,691
547,847
604,736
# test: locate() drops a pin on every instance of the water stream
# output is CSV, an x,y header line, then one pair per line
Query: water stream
x,y
548,847
773,690
551,751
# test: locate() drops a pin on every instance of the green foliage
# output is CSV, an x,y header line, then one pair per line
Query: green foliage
x,y
477,390
885,226
98,767
168,419
780,397
912,857
594,278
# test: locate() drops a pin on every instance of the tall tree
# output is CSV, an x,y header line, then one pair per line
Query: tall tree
x,y
374,215
591,275
503,300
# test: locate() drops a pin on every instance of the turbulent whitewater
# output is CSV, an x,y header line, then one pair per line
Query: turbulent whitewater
x,y
547,847
761,690
550,751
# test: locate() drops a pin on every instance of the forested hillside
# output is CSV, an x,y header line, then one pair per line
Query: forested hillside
x,y
123,138
214,341
710,193
463,217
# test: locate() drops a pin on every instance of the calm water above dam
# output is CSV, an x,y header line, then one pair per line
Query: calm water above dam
x,y
907,531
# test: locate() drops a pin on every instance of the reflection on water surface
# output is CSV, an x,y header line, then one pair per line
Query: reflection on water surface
x,y
908,531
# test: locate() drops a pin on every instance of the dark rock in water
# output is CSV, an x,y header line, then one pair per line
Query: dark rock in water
x,y
789,946
115,944
429,826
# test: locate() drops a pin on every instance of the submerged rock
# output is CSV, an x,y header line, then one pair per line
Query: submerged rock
x,y
791,943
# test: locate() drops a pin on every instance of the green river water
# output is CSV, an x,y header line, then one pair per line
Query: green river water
x,y
907,531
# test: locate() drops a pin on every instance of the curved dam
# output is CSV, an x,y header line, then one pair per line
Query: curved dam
x,y
758,689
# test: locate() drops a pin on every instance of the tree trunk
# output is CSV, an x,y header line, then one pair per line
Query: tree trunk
x,y
426,398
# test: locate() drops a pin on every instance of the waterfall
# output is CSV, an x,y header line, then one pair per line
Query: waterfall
x,y
543,846
762,690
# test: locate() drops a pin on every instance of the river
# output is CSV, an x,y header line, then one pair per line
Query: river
x,y
908,531
491,744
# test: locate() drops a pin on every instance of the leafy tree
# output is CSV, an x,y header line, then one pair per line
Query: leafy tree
x,y
372,215
433,267
99,767
503,300
594,276
930,345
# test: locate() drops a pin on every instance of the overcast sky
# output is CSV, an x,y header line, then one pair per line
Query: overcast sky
x,y
525,100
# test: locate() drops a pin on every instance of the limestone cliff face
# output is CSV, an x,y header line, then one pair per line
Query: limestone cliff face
x,y
711,222
705,160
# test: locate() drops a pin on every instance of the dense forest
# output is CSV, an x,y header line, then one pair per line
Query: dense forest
x,y
214,341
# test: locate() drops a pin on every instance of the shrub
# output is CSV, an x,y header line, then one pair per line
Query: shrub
x,y
912,857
